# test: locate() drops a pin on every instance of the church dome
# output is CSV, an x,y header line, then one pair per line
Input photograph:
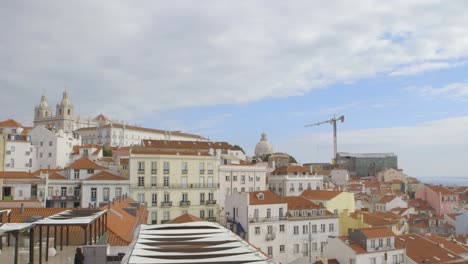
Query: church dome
x,y
43,104
65,99
263,147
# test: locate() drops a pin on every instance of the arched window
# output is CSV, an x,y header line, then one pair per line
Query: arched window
x,y
60,111
69,111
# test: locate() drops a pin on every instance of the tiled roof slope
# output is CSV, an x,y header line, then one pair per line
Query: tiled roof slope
x,y
105,176
269,197
185,218
291,169
10,123
375,232
320,194
84,163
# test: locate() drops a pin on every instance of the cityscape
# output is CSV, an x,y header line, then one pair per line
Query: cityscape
x,y
225,132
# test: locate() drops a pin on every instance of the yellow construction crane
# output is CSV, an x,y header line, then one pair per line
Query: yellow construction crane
x,y
333,122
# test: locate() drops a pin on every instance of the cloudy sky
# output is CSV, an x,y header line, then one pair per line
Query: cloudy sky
x,y
229,70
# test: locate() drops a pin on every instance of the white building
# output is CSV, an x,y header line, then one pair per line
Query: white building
x,y
307,229
115,134
461,223
19,185
240,176
366,246
293,180
19,154
83,184
389,202
261,218
54,148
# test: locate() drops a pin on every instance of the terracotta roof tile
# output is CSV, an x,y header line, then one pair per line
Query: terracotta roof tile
x,y
56,176
185,218
386,199
440,189
300,203
151,151
320,194
420,250
18,175
375,232
291,169
84,163
269,197
105,176
10,123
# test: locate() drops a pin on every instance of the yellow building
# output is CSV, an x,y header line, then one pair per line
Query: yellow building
x,y
173,183
362,219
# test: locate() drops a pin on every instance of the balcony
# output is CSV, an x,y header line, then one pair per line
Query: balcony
x,y
154,171
267,219
141,171
184,171
211,219
270,237
165,221
166,171
67,198
166,204
202,171
210,202
210,171
184,203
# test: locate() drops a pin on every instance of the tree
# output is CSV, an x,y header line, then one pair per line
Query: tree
x,y
237,147
106,152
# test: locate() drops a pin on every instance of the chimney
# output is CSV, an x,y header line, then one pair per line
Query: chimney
x,y
22,208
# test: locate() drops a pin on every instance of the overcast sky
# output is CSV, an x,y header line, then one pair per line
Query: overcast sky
x,y
229,70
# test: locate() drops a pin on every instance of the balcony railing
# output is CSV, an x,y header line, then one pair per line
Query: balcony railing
x,y
184,203
154,172
177,186
165,221
66,198
211,219
270,236
202,171
141,171
184,171
267,219
210,202
166,204
166,171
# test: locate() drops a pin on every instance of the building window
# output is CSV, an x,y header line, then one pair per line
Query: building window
x,y
305,229
167,215
166,181
322,246
153,181
50,143
281,248
202,214
185,197
228,178
105,194
373,243
296,230
41,143
141,167
167,198
314,246
380,242
395,259
93,194
270,251
270,229
40,155
63,191
331,227
234,178
141,181
242,179
373,260
50,155
257,230
296,249
305,249
154,167
76,174
210,181
154,218
281,228
210,168
322,228
202,168
154,199
268,213
118,192
90,171
389,241
141,197
202,198
314,229
184,167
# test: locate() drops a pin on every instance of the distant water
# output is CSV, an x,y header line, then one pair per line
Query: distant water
x,y
449,181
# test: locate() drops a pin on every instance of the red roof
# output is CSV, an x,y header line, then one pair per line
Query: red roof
x,y
264,197
84,163
185,218
375,232
10,123
105,176
320,194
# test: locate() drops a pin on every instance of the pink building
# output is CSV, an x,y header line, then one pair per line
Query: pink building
x,y
440,198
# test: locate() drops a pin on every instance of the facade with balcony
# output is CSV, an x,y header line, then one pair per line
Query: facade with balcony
x,y
375,245
174,183
261,218
308,227
293,180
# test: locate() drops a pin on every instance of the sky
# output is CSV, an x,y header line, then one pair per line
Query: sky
x,y
230,70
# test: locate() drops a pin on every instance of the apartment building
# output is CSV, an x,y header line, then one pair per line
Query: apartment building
x,y
173,183
293,180
366,246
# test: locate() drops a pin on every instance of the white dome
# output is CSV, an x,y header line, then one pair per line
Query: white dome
x,y
263,147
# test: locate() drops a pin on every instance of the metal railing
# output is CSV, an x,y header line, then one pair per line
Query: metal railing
x,y
210,202
176,186
270,236
211,219
184,203
267,219
166,204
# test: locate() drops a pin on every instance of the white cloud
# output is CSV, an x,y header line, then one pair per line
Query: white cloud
x,y
132,59
453,91
434,149
426,66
